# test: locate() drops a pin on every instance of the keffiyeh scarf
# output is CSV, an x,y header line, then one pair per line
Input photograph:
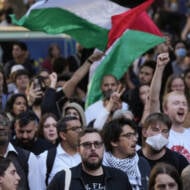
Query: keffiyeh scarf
x,y
128,165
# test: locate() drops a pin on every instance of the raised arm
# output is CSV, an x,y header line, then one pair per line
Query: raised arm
x,y
186,29
153,100
71,84
156,83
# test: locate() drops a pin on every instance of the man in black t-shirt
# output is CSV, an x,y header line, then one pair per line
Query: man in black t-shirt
x,y
155,133
91,174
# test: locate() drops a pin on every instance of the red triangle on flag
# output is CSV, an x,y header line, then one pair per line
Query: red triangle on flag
x,y
135,19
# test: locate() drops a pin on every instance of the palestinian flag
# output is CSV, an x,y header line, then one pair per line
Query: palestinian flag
x,y
132,33
125,33
88,22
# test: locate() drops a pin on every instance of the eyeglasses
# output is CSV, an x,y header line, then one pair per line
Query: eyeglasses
x,y
130,135
88,145
76,129
157,129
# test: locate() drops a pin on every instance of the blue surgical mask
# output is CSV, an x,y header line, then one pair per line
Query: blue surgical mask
x,y
181,52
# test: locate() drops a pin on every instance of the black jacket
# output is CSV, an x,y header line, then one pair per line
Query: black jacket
x,y
114,179
53,101
145,172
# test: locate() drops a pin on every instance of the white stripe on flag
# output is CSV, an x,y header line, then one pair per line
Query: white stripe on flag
x,y
98,12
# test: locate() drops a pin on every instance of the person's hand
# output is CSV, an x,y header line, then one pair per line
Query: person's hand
x,y
53,79
97,55
163,59
116,96
33,94
115,102
118,93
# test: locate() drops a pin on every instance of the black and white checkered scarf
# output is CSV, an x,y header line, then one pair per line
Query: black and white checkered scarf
x,y
128,165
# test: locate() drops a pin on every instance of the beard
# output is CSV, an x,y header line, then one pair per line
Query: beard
x,y
25,143
107,94
92,166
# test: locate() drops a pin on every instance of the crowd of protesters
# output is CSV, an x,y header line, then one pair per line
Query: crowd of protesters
x,y
135,137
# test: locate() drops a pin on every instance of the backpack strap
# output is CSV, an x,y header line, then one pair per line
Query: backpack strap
x,y
23,156
67,178
49,162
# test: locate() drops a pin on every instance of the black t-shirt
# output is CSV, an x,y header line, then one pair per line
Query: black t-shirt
x,y
170,157
93,182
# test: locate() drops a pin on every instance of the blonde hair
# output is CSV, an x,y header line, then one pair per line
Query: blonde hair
x,y
166,97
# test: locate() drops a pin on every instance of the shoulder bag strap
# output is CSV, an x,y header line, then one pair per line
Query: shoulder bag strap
x,y
67,178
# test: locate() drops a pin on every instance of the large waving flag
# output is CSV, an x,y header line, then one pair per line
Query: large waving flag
x,y
132,33
88,22
102,24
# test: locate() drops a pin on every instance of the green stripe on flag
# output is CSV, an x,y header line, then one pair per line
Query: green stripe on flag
x,y
57,20
124,51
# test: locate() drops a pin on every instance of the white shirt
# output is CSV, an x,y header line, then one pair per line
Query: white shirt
x,y
180,142
33,174
93,111
62,160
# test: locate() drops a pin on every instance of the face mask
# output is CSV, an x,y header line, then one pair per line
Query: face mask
x,y
157,142
181,52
